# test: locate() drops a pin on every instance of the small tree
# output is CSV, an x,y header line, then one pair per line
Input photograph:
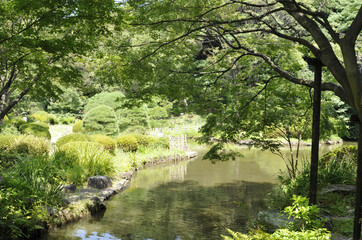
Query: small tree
x,y
101,120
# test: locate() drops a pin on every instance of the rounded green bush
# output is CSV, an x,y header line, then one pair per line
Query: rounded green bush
x,y
77,127
128,143
28,144
101,120
144,140
107,142
73,137
36,129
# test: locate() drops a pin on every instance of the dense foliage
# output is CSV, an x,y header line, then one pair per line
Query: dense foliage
x,y
101,120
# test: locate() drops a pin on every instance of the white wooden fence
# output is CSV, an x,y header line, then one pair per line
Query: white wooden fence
x,y
179,142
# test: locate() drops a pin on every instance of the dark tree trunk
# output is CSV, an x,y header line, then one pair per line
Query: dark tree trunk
x,y
358,201
315,132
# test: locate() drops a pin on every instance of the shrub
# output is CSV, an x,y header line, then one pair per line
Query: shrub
x,y
136,116
101,120
6,141
163,142
31,145
16,122
108,143
335,167
91,157
36,129
77,127
66,119
45,117
128,143
73,137
342,153
144,140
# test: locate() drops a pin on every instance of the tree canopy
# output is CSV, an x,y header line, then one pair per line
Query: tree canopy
x,y
40,41
221,55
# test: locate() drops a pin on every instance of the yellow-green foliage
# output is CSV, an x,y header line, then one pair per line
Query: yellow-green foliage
x,y
144,140
101,120
77,127
28,144
36,129
6,141
91,157
162,142
45,117
108,143
128,143
343,153
285,234
73,137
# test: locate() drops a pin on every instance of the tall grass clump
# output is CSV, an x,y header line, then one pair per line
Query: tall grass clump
x,y
32,183
91,157
30,145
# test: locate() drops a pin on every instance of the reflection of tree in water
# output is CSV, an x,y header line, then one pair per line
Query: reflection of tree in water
x,y
185,210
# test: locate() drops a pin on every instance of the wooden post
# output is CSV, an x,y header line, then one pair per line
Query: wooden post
x,y
315,131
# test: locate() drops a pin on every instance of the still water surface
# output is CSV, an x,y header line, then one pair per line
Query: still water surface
x,y
190,200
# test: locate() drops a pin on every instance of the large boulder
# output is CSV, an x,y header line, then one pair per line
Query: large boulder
x,y
99,182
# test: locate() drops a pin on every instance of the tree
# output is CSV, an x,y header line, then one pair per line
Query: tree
x,y
40,40
200,46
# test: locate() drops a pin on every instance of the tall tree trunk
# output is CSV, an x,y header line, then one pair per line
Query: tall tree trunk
x,y
315,132
358,200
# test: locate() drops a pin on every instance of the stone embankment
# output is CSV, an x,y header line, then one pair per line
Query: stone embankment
x,y
83,202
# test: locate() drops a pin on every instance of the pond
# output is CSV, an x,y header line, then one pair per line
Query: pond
x,y
192,199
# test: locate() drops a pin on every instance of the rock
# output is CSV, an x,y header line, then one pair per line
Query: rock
x,y
96,205
99,182
191,154
69,188
339,188
246,142
126,175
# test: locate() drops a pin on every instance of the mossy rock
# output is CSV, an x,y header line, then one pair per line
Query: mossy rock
x,y
73,137
128,143
101,120
36,129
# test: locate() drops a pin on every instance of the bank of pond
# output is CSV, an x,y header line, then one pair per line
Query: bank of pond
x,y
189,199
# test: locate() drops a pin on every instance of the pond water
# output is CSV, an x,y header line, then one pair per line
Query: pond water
x,y
192,199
